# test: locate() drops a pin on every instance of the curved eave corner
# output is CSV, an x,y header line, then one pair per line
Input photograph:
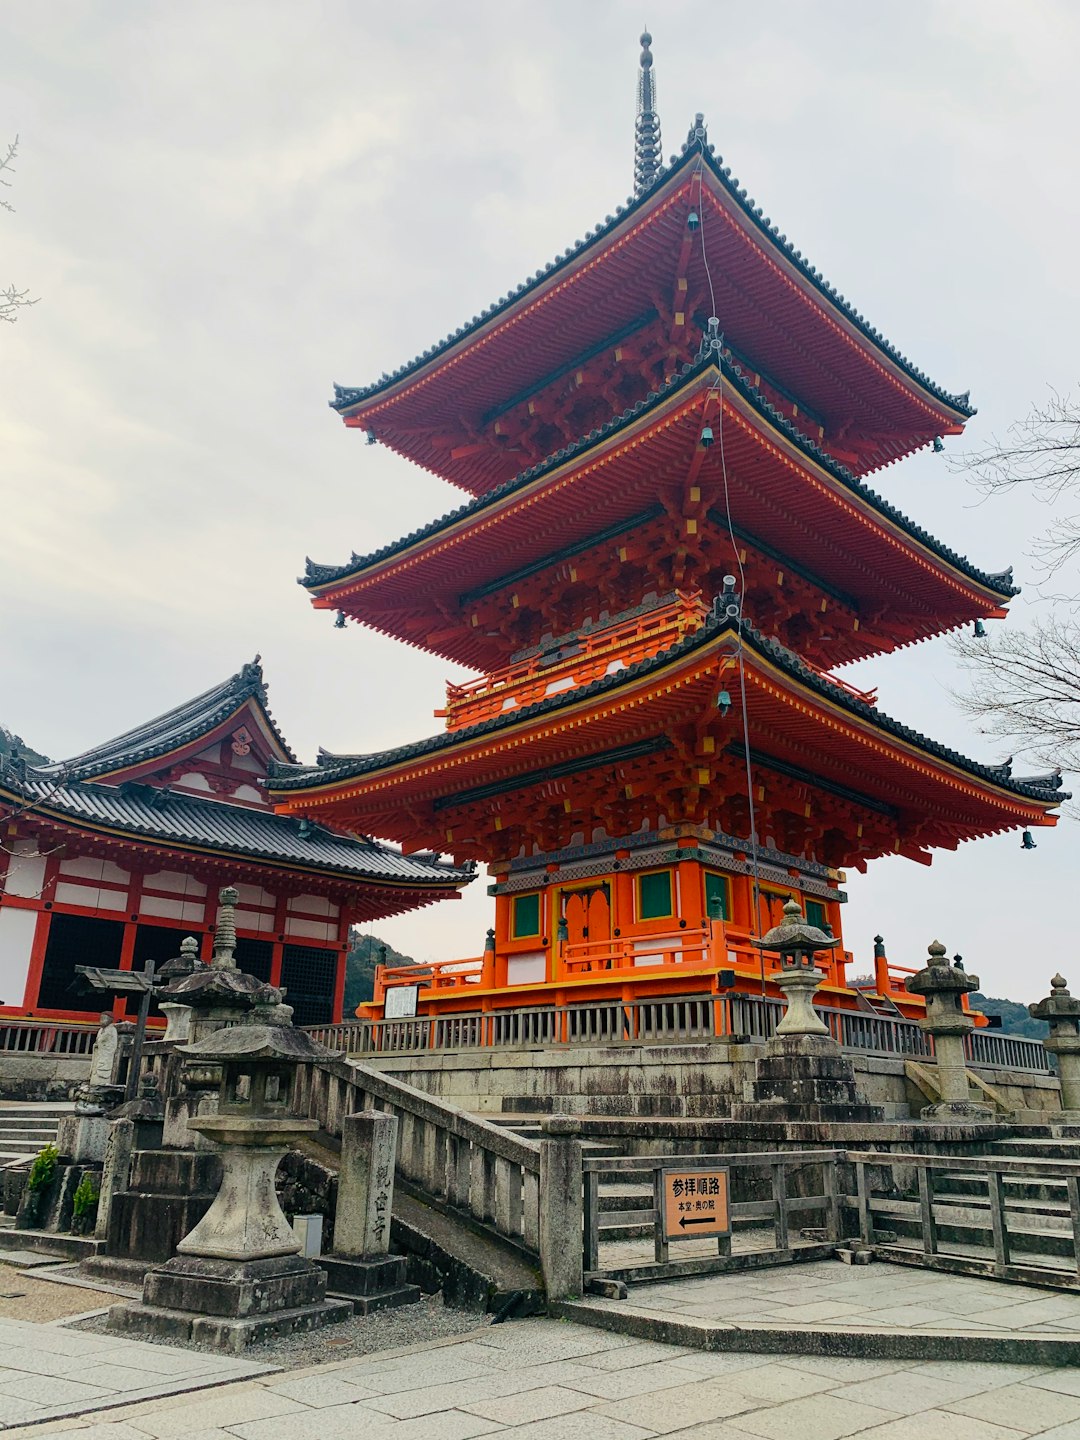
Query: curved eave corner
x,y
350,402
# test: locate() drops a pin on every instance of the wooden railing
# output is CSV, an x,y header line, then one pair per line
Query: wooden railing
x,y
579,661
771,1217
46,1037
884,1182
667,1019
463,1162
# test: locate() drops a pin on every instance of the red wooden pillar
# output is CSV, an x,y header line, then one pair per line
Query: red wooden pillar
x,y
277,950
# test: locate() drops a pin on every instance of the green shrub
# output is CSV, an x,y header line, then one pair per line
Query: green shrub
x,y
43,1170
86,1197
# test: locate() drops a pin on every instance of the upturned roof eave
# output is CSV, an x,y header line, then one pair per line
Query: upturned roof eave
x,y
321,580
52,809
354,402
177,729
334,770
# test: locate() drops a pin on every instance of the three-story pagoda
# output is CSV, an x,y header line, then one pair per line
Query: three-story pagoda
x,y
671,543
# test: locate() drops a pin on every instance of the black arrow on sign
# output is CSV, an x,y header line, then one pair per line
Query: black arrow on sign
x,y
705,1220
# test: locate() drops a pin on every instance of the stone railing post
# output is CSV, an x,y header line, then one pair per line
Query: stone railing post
x,y
944,985
116,1171
561,1208
1062,1012
365,1184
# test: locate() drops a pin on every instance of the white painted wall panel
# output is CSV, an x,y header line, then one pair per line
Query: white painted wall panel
x,y
16,939
309,929
313,905
25,876
88,868
254,895
254,920
526,969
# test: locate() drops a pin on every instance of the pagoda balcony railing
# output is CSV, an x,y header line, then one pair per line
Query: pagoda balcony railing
x,y
662,1019
868,697
576,662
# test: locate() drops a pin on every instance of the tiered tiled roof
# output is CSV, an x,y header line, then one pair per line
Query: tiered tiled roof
x,y
317,575
697,150
333,768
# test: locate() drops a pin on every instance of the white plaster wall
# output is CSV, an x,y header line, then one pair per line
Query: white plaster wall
x,y
25,872
16,939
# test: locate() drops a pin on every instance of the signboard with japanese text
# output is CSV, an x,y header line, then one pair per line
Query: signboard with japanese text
x,y
694,1203
401,1002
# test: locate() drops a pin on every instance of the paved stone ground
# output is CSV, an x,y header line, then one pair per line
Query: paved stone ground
x,y
829,1293
548,1380
48,1371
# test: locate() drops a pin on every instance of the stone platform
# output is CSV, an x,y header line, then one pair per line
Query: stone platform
x,y
828,1308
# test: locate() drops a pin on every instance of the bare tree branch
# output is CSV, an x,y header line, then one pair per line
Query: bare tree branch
x,y
1041,452
12,300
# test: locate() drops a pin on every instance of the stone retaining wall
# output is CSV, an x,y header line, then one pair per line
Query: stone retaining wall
x,y
691,1080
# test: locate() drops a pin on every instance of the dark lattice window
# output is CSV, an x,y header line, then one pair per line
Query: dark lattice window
x,y
308,975
78,940
255,956
158,943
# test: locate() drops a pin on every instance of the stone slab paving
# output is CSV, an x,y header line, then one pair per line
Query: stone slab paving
x,y
49,1372
829,1293
551,1380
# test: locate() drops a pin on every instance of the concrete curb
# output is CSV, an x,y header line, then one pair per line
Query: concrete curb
x,y
863,1342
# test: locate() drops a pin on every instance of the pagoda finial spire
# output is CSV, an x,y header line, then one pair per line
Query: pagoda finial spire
x,y
647,125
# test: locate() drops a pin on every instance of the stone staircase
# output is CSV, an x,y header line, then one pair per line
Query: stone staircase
x,y
27,1128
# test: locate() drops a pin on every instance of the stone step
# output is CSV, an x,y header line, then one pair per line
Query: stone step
x,y
1062,1148
1017,1188
975,1231
382,1300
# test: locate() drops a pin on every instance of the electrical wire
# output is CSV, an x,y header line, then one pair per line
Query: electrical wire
x,y
717,391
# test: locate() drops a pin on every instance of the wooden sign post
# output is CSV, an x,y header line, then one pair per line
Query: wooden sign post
x,y
692,1204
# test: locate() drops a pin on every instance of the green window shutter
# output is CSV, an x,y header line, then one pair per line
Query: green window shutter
x,y
526,915
717,887
654,895
815,914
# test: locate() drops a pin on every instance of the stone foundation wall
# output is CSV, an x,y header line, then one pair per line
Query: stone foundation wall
x,y
41,1077
696,1081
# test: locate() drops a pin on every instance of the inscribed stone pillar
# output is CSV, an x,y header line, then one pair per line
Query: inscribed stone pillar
x,y
561,1208
365,1184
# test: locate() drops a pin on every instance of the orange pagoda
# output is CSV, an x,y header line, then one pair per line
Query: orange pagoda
x,y
671,545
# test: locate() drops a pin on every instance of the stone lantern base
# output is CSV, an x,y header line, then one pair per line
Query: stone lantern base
x,y
231,1304
806,1078
949,1112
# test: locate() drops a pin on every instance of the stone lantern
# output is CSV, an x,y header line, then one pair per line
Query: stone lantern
x,y
803,1075
237,1276
797,942
944,985
1062,1012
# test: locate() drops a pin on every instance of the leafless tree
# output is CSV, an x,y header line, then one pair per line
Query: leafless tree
x,y
1025,680
1042,454
12,299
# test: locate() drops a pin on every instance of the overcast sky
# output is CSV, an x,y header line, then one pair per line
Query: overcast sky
x,y
224,208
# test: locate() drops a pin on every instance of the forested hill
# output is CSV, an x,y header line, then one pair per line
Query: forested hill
x,y
1015,1019
360,968
10,742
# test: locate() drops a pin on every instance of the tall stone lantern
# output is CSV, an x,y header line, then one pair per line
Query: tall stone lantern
x,y
803,1075
944,985
237,1276
1062,1012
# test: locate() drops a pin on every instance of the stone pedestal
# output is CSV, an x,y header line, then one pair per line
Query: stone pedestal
x,y
806,1078
1061,1010
82,1139
231,1304
803,1076
948,1023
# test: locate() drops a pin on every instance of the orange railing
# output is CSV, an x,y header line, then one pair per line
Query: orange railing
x,y
579,661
